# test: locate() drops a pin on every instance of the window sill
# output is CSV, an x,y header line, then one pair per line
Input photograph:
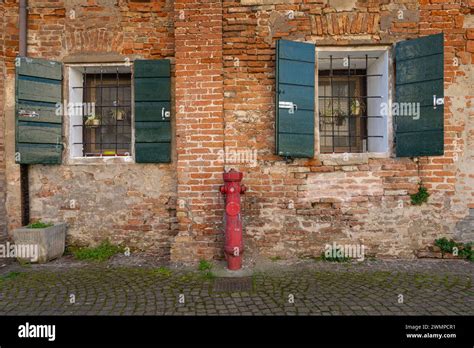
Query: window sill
x,y
344,159
101,160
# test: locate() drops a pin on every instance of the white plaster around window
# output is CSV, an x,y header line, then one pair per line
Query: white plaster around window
x,y
74,77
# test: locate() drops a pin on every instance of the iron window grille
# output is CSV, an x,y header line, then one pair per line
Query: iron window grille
x,y
107,126
343,106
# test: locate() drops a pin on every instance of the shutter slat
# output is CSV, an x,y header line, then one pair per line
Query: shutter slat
x,y
36,90
408,71
39,153
153,152
295,85
152,89
421,47
421,92
426,143
39,68
295,123
46,112
151,111
419,78
152,132
41,133
152,85
431,120
296,144
152,68
303,96
38,121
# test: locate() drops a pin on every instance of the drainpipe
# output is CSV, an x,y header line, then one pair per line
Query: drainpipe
x,y
23,27
24,181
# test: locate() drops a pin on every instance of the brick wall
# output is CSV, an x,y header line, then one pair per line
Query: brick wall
x,y
2,139
294,209
132,204
199,128
223,56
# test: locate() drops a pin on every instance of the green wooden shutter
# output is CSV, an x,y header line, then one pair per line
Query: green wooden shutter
x,y
38,115
294,131
419,79
152,82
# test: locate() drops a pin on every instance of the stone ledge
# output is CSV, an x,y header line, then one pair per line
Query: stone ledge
x,y
345,159
264,2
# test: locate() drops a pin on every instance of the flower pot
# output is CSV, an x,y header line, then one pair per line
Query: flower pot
x,y
49,242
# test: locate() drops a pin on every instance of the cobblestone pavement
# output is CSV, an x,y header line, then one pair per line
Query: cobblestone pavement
x,y
306,288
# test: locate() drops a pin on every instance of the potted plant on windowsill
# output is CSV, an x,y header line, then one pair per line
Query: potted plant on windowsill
x,y
330,116
93,120
357,107
339,117
118,114
43,241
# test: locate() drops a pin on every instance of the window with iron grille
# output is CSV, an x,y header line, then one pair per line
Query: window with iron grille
x,y
100,111
351,89
107,130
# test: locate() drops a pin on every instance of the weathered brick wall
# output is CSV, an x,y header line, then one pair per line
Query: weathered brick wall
x,y
199,128
294,209
224,75
2,138
128,203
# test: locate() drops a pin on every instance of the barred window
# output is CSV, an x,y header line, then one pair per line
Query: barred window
x,y
100,111
343,111
107,130
351,89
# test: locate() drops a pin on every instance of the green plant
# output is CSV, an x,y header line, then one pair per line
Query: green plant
x,y
275,258
204,265
11,275
463,250
93,120
421,196
164,271
332,116
118,114
208,275
39,224
334,258
205,269
102,252
339,117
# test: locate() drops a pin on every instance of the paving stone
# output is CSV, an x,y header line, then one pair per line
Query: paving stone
x,y
319,288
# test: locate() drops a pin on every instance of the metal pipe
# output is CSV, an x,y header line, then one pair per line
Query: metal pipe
x,y
23,27
24,177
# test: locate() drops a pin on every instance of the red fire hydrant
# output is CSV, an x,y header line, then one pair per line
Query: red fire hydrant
x,y
234,246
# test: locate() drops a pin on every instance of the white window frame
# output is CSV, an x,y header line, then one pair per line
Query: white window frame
x,y
74,77
384,148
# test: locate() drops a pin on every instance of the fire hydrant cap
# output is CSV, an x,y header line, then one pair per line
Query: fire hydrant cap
x,y
233,175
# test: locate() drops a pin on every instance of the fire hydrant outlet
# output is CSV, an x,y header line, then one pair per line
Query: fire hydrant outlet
x,y
232,208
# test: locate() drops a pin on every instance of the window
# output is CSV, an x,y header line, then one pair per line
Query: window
x,y
340,95
100,111
352,87
342,111
107,129
97,111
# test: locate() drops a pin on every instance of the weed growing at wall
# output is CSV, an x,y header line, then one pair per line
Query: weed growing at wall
x,y
421,196
102,252
205,269
463,250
